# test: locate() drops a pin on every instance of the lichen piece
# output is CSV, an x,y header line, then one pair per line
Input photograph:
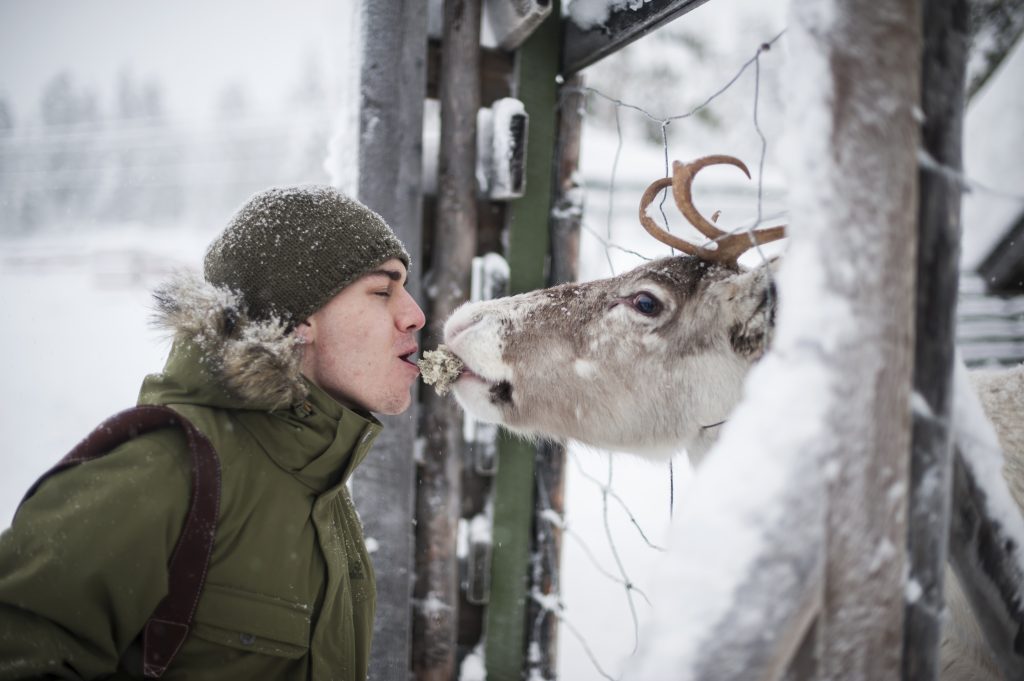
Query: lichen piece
x,y
440,368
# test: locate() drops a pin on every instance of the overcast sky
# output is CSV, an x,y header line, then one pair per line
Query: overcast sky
x,y
194,46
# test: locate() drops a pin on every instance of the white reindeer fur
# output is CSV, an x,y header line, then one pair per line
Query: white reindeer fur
x,y
577,361
626,382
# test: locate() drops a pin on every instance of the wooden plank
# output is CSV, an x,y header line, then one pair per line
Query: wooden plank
x,y
566,221
495,69
581,48
435,618
545,572
393,85
527,255
942,100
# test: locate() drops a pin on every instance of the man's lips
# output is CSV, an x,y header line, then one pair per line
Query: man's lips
x,y
407,357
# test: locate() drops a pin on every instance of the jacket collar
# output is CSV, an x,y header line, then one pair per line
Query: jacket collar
x,y
318,441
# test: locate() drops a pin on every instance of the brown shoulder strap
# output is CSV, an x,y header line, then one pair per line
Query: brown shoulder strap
x,y
169,625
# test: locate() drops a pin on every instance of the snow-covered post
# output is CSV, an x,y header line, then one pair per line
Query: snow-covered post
x,y
856,84
801,508
392,86
455,234
942,103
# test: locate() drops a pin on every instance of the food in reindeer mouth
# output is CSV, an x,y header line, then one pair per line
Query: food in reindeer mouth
x,y
440,368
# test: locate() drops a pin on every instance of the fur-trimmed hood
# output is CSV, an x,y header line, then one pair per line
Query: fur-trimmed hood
x,y
256,362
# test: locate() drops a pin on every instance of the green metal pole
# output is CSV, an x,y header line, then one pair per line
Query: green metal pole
x,y
528,256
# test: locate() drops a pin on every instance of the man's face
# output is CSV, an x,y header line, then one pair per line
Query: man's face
x,y
359,345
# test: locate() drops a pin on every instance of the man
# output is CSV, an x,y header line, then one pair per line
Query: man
x,y
299,330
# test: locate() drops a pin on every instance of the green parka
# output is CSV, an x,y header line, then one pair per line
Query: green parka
x,y
290,589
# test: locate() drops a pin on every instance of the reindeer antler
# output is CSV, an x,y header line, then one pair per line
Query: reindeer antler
x,y
727,247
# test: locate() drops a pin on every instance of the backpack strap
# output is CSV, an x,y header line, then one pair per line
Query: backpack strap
x,y
169,625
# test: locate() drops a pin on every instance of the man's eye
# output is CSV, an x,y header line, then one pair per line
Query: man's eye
x,y
646,304
385,294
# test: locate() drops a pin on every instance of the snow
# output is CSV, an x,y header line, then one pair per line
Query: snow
x,y
553,518
756,497
432,605
472,531
462,539
591,13
472,668
78,340
977,441
496,143
504,178
913,591
480,529
343,148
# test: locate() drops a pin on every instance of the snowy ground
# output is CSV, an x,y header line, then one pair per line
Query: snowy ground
x,y
76,339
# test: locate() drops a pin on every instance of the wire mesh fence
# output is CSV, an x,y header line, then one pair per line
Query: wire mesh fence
x,y
612,228
612,189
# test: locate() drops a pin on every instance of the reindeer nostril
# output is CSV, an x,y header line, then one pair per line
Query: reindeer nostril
x,y
502,393
459,323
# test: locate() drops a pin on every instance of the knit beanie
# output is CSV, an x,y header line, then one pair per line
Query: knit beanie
x,y
289,250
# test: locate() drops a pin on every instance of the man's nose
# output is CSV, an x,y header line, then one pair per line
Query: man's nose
x,y
412,317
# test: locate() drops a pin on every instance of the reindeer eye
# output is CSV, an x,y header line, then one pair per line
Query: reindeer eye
x,y
646,304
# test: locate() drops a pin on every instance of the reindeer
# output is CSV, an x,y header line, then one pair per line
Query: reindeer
x,y
653,360
649,361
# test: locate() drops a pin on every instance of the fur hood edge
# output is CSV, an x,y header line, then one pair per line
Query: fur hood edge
x,y
255,360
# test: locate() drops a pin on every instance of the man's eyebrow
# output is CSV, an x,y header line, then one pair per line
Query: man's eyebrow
x,y
393,275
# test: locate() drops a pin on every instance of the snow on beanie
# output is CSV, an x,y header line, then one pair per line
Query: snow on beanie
x,y
289,250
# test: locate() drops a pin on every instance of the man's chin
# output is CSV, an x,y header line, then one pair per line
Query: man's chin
x,y
394,405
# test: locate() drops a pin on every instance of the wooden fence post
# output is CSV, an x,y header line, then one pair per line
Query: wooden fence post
x,y
566,218
454,245
857,84
942,102
392,86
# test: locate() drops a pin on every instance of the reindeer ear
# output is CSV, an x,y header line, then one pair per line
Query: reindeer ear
x,y
748,301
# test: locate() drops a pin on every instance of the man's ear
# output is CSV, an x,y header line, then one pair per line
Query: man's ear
x,y
305,331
